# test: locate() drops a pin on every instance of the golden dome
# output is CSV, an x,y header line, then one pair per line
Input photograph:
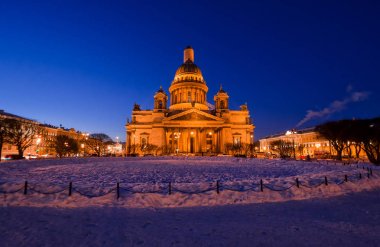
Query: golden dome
x,y
188,71
188,89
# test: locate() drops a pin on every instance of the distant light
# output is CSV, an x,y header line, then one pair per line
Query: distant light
x,y
191,133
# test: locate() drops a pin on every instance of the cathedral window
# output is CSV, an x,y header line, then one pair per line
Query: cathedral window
x,y
160,104
143,142
222,104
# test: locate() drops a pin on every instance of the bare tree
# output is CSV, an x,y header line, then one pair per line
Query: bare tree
x,y
336,133
98,143
148,148
284,148
65,146
3,133
22,133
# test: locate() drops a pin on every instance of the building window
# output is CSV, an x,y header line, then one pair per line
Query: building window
x,y
160,104
189,96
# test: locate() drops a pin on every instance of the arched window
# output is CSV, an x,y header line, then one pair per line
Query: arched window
x,y
143,142
222,104
160,104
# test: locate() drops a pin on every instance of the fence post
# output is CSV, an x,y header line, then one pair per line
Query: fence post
x,y
217,186
118,190
261,185
25,187
70,187
298,183
345,178
326,183
170,188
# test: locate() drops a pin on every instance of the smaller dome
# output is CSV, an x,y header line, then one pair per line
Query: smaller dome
x,y
161,90
221,90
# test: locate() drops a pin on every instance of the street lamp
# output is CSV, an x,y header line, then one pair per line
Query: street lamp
x,y
176,137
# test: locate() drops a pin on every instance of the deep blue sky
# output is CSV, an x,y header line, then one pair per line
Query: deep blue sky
x,y
83,64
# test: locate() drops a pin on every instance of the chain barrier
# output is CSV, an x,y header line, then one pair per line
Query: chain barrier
x,y
168,188
281,189
12,191
47,193
92,195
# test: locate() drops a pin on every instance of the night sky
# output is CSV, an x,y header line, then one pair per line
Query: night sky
x,y
83,64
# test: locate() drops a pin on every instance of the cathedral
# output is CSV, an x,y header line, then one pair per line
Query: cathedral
x,y
185,123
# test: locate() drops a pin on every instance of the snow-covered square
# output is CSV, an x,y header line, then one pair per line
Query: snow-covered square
x,y
187,201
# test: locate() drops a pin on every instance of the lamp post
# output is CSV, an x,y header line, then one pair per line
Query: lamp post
x,y
177,135
38,141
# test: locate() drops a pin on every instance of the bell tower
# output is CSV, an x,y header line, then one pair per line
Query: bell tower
x,y
160,100
221,100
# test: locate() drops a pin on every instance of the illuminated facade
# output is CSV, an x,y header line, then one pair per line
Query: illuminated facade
x,y
185,122
42,143
305,142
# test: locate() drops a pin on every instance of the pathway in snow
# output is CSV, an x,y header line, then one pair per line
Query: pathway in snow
x,y
349,220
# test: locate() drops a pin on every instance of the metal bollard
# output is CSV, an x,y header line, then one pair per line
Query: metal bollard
x,y
118,190
217,186
297,183
326,183
345,178
261,185
70,187
170,188
25,187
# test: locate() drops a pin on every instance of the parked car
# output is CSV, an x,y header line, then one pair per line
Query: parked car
x,y
13,157
30,156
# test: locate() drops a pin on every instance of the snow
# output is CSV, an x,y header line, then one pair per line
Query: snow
x,y
339,214
349,220
144,182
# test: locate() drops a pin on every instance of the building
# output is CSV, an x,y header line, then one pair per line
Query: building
x,y
184,122
305,142
42,142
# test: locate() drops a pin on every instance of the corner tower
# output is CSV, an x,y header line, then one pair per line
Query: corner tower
x,y
188,88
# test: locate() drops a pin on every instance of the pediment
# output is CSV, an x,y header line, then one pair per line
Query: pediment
x,y
193,115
